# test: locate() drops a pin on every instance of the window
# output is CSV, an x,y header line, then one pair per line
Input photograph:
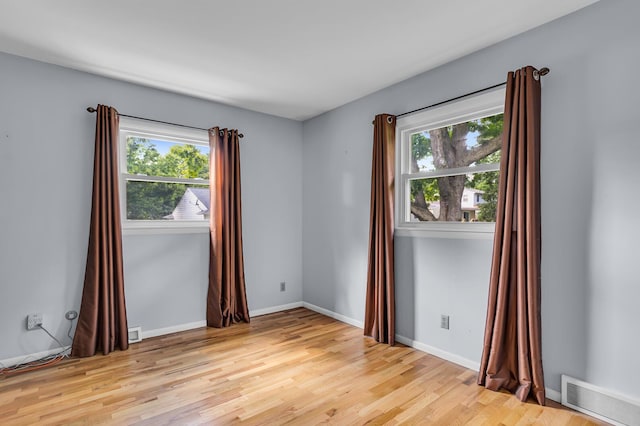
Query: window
x,y
164,176
447,163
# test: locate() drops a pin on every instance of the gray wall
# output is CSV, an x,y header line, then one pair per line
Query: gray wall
x,y
590,149
46,155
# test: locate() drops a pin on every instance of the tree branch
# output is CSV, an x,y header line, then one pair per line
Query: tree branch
x,y
422,213
478,152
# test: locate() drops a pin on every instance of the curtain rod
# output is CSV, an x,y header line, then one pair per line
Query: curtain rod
x,y
543,71
92,110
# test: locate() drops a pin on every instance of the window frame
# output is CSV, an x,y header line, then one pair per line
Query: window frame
x,y
148,129
469,108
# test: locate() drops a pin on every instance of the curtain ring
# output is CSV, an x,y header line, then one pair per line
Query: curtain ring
x,y
389,119
543,71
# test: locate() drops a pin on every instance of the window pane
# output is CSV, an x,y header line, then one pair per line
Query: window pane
x,y
460,198
152,157
458,145
167,201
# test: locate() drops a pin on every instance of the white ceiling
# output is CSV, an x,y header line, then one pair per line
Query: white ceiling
x,y
290,58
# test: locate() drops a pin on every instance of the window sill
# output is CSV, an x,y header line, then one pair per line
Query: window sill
x,y
150,227
467,231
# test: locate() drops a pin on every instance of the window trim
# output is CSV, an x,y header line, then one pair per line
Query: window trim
x,y
481,105
167,132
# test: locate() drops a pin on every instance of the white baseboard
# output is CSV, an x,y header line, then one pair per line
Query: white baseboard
x,y
456,359
10,362
197,324
146,334
272,309
431,350
553,395
333,315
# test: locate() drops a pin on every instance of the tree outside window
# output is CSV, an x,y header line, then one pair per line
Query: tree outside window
x,y
462,145
149,199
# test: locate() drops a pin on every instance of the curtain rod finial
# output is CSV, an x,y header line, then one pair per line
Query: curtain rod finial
x,y
544,71
91,109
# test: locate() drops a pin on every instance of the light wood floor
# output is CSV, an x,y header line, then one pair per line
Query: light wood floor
x,y
292,367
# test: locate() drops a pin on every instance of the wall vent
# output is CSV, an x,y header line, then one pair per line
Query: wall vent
x,y
599,403
135,334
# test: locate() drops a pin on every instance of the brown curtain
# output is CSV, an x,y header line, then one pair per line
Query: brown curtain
x,y
512,353
379,321
226,299
102,323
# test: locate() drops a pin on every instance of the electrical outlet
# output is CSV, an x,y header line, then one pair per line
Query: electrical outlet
x,y
33,321
71,315
444,321
283,286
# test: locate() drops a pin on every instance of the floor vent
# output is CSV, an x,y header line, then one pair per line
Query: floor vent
x,y
599,403
135,334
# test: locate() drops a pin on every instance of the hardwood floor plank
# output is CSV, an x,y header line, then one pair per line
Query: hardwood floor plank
x,y
295,367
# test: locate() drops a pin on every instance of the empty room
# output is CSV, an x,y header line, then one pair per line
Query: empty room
x,y
305,212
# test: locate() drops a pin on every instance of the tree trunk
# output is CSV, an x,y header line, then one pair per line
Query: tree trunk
x,y
420,208
451,189
449,149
